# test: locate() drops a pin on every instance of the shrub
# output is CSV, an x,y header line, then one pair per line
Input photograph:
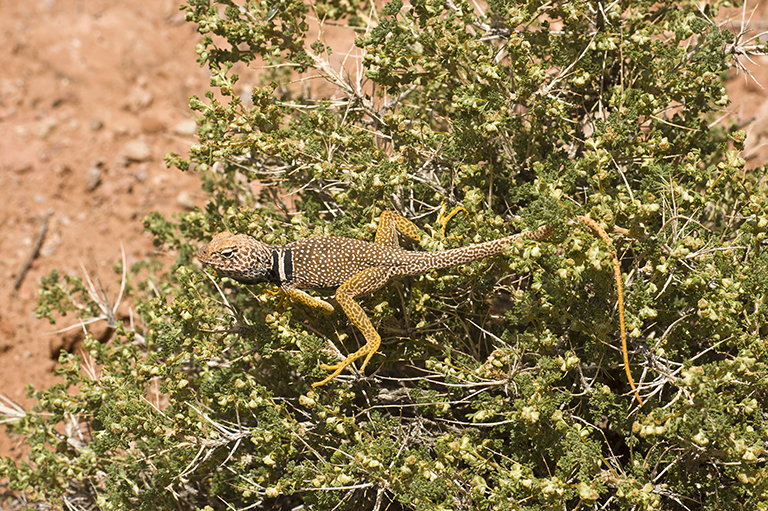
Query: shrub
x,y
500,385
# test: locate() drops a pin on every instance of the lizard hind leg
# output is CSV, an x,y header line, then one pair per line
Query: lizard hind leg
x,y
390,223
443,218
364,282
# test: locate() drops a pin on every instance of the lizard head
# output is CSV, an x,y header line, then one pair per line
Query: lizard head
x,y
238,256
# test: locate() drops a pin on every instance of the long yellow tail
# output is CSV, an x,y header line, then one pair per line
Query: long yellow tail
x,y
620,292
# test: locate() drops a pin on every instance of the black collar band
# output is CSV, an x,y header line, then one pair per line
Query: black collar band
x,y
282,266
288,264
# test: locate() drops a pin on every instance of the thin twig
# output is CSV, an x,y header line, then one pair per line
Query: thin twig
x,y
34,252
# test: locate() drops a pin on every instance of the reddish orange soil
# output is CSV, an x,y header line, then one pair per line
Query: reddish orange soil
x,y
92,95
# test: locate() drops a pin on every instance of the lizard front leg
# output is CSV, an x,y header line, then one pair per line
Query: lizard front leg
x,y
299,296
364,282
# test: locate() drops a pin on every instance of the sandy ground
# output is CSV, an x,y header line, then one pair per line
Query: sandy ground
x,y
92,95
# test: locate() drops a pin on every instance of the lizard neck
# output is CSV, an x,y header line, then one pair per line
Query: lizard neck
x,y
281,272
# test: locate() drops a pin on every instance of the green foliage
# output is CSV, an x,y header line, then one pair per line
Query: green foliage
x,y
500,385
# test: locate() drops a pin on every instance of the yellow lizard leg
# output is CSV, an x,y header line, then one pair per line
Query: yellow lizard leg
x,y
389,224
443,219
279,292
364,282
299,296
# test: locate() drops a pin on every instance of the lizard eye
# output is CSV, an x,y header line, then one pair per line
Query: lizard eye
x,y
228,253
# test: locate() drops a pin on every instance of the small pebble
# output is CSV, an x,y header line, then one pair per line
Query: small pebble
x,y
136,151
186,127
138,99
186,200
93,177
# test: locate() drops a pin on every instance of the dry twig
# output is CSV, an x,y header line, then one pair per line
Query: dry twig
x,y
34,252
